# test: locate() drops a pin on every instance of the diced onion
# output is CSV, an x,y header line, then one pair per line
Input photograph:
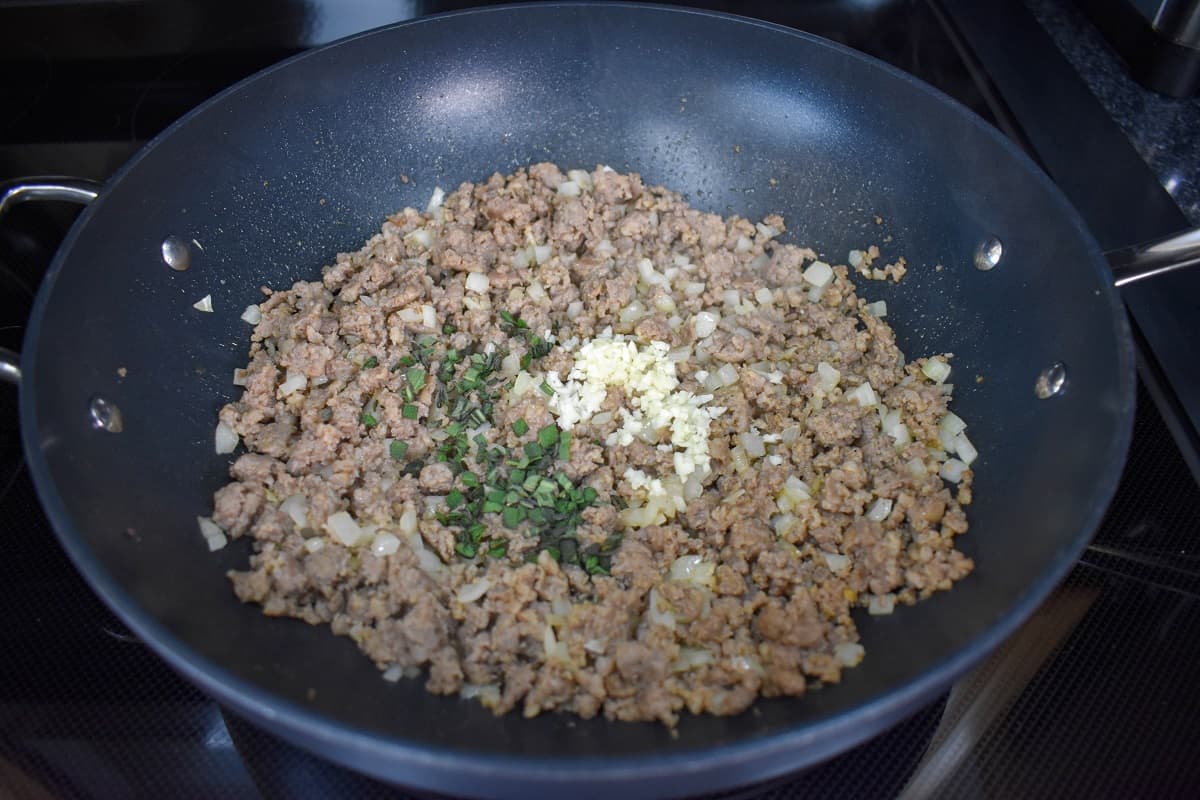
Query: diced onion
x,y
693,569
753,444
656,615
204,304
743,244
408,521
553,649
436,199
632,312
863,394
421,236
936,369
764,296
226,439
214,537
691,658
296,507
794,493
393,673
569,189
428,316
427,560
880,509
828,376
704,323
536,291
343,528
877,309
965,450
952,424
487,693
478,282
849,654
574,309
650,275
728,374
881,604
523,383
472,591
580,178
252,314
294,382
952,470
605,248
855,258
314,544
239,376
385,543
916,468
783,524
541,253
837,563
766,231
732,298
819,274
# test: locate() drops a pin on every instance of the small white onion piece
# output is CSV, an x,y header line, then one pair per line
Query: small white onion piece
x,y
704,323
819,274
214,537
393,673
569,189
693,569
314,544
849,654
952,424
837,563
204,304
225,438
541,253
691,658
487,693
965,450
743,244
828,376
881,604
296,507
764,296
727,374
753,444
295,382
656,615
581,178
252,314
880,509
767,231
421,236
574,309
239,376
436,199
952,470
877,309
936,369
343,528
863,394
385,543
472,591
478,282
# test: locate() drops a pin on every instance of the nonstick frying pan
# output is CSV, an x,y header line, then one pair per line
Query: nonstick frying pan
x,y
122,377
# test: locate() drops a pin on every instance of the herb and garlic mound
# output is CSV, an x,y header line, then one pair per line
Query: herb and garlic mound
x,y
561,442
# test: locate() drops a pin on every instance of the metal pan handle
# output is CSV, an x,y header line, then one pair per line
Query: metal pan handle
x,y
74,190
1147,260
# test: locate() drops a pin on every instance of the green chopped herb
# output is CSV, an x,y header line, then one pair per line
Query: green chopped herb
x,y
426,340
416,378
408,411
593,566
498,549
469,480
513,516
526,360
533,450
455,498
475,532
589,495
454,429
508,317
548,436
547,389
368,420
449,329
564,446
371,362
554,553
397,449
466,549
492,507
520,427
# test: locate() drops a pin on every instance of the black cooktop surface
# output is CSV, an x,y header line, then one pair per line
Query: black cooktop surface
x,y
1094,697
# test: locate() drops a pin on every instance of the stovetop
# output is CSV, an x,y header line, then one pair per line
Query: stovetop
x,y
1094,697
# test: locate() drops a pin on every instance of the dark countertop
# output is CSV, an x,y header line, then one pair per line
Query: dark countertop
x,y
1164,130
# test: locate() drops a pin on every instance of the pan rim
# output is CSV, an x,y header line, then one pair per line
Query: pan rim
x,y
414,763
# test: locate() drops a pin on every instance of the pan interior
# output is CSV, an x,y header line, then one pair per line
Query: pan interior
x,y
269,182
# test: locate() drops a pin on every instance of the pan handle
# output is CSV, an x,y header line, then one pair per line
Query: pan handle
x,y
1146,260
75,190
